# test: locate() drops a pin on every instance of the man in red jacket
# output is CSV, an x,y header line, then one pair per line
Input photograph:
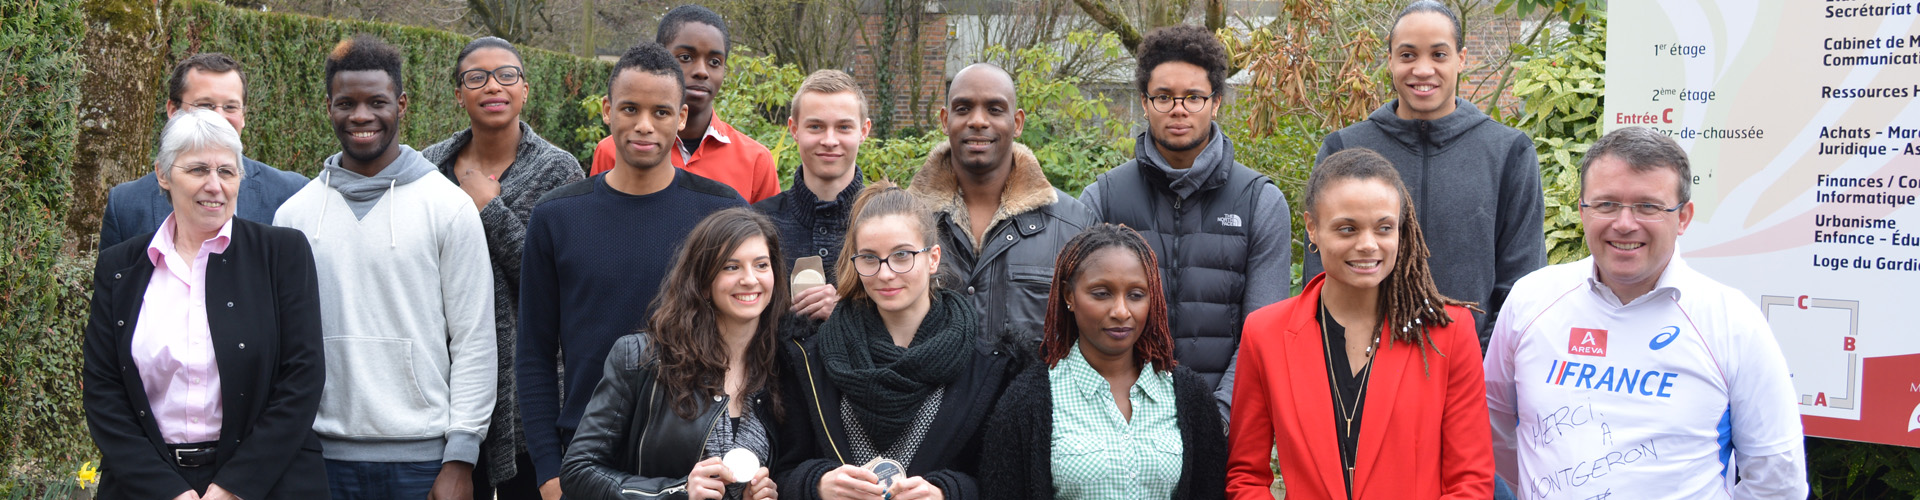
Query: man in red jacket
x,y
707,147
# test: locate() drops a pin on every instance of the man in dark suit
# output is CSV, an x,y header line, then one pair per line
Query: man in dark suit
x,y
204,363
214,82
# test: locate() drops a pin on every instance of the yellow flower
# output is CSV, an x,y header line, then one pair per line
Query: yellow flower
x,y
88,475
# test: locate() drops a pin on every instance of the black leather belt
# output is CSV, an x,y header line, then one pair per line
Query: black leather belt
x,y
193,455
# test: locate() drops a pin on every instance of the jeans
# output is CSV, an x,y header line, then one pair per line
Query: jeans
x,y
1500,489
381,480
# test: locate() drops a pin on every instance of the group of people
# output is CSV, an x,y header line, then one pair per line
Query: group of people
x,y
670,324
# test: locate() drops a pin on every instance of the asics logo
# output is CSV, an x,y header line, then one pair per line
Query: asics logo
x,y
1665,337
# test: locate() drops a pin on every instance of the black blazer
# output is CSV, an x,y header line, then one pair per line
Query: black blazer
x,y
263,311
1019,439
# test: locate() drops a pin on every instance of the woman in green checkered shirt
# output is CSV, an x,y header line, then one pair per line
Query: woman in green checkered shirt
x,y
1108,415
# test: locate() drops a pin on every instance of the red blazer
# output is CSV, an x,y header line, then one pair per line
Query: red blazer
x,y
1422,436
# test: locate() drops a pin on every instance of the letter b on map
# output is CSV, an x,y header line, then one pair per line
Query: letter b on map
x,y
1587,342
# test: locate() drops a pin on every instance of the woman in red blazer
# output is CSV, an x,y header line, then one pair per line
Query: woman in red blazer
x,y
1369,381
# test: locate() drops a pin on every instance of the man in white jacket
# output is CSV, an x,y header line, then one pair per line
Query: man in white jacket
x,y
406,297
1629,374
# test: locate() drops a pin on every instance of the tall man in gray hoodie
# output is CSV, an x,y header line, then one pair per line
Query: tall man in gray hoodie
x,y
1475,183
1221,230
406,297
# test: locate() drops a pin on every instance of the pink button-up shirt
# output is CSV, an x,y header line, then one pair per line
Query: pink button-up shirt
x,y
172,345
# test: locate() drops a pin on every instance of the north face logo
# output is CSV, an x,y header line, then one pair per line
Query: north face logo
x,y
1230,220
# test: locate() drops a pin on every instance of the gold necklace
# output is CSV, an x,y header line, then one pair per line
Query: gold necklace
x,y
1347,414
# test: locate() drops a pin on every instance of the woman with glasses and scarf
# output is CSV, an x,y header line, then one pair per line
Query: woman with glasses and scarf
x,y
897,376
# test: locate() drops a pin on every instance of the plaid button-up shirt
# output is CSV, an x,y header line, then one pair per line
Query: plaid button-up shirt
x,y
1099,454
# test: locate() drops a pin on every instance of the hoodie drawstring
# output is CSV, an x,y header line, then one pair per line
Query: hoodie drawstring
x,y
392,234
391,243
325,175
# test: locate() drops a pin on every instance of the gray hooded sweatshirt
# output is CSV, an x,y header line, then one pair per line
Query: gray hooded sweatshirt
x,y
406,304
1476,190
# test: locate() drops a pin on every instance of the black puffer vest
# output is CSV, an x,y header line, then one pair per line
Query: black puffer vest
x,y
1203,245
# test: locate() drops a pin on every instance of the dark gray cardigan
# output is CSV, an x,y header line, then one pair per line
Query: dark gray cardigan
x,y
538,166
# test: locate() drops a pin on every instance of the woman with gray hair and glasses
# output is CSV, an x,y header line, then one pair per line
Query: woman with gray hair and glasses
x,y
203,352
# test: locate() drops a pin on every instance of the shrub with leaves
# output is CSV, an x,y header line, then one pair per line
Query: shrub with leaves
x,y
1071,132
42,290
1848,470
1562,90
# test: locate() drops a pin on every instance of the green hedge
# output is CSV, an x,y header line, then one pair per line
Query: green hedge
x,y
39,338
285,55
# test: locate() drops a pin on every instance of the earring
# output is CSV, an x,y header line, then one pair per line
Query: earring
x,y
1312,248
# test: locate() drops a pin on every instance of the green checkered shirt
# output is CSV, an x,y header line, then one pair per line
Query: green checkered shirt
x,y
1098,454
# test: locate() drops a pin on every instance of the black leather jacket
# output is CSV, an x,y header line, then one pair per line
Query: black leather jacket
x,y
630,443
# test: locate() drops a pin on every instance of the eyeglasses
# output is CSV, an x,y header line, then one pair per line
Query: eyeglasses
x,y
1193,103
900,262
201,171
473,79
231,109
1641,211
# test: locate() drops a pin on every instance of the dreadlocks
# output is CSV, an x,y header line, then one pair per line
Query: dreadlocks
x,y
1409,301
1155,344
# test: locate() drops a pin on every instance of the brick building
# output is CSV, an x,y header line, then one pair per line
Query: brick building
x,y
919,79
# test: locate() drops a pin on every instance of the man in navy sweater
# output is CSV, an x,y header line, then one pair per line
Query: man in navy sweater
x,y
597,250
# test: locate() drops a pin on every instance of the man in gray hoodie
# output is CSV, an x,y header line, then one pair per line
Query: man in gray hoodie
x,y
1475,183
1221,230
406,297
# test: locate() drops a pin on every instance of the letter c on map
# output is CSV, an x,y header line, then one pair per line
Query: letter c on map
x,y
1665,337
1802,302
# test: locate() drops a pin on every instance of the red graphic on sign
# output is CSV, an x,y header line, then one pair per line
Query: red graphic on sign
x,y
1587,342
1889,405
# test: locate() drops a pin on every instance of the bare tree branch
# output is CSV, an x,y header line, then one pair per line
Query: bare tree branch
x,y
1129,36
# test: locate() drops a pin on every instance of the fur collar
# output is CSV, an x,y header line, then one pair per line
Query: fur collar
x,y
1027,188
